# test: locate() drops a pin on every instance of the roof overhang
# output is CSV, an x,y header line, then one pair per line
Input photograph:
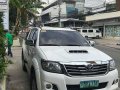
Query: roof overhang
x,y
102,16
64,20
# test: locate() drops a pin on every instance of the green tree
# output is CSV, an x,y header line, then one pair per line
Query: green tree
x,y
23,8
3,63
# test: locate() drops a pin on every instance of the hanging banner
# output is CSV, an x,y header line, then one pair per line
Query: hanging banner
x,y
3,1
3,5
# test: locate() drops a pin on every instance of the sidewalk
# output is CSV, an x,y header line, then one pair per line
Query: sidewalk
x,y
108,42
16,78
16,43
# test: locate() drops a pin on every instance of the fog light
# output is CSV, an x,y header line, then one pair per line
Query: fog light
x,y
48,86
113,82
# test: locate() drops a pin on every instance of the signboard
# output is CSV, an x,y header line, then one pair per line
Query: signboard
x,y
3,7
3,1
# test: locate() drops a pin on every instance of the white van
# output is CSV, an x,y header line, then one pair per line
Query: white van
x,y
89,33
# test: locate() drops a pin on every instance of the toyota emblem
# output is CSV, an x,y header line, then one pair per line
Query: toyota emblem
x,y
89,67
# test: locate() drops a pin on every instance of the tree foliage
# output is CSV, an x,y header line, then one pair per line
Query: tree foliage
x,y
3,63
23,8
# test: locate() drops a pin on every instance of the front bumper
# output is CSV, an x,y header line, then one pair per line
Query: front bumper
x,y
63,82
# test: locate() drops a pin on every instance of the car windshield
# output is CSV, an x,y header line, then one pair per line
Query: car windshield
x,y
61,38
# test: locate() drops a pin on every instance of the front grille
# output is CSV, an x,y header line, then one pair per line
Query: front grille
x,y
82,70
77,87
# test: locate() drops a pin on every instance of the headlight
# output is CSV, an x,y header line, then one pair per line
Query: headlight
x,y
112,65
51,66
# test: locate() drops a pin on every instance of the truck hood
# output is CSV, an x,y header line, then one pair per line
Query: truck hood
x,y
73,53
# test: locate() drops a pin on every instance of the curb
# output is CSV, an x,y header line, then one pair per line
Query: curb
x,y
108,46
112,47
16,46
118,88
118,44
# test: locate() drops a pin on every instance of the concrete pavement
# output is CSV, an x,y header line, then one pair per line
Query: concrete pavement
x,y
17,79
16,43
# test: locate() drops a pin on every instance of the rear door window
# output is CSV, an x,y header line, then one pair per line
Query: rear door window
x,y
84,31
90,31
78,30
30,35
97,31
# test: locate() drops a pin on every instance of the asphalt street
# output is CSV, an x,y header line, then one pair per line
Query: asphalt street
x,y
19,80
113,52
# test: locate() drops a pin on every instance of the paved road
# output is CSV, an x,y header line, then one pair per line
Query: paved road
x,y
113,52
18,80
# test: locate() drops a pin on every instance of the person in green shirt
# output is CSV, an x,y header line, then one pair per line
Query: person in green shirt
x,y
9,39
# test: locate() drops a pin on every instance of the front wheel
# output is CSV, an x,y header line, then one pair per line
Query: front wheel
x,y
23,63
97,36
86,37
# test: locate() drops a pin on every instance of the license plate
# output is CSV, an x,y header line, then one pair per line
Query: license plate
x,y
89,84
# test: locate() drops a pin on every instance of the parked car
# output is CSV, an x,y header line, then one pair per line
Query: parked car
x,y
22,35
62,59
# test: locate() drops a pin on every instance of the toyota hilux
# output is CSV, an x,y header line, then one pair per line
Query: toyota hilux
x,y
62,59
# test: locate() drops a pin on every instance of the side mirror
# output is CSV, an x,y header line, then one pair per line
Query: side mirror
x,y
92,43
30,42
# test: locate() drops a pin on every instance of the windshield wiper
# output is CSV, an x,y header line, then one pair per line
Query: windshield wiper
x,y
49,45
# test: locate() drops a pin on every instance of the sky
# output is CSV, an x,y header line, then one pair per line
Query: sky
x,y
89,3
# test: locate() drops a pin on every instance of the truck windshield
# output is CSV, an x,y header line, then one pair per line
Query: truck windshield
x,y
61,38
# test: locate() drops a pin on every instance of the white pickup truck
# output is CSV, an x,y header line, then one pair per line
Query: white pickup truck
x,y
62,59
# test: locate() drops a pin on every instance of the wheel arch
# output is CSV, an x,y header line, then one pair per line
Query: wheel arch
x,y
35,68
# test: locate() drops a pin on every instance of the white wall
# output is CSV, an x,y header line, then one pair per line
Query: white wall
x,y
80,7
6,20
4,7
53,11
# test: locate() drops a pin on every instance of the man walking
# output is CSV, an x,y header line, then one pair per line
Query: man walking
x,y
9,39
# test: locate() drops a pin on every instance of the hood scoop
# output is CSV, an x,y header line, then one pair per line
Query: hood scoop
x,y
78,51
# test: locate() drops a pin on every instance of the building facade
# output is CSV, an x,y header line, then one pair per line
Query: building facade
x,y
68,9
118,4
105,7
4,7
108,23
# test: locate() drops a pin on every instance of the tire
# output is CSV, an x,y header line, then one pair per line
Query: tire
x,y
33,84
23,63
86,37
98,37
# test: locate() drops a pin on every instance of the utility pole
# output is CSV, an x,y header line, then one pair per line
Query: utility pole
x,y
59,13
